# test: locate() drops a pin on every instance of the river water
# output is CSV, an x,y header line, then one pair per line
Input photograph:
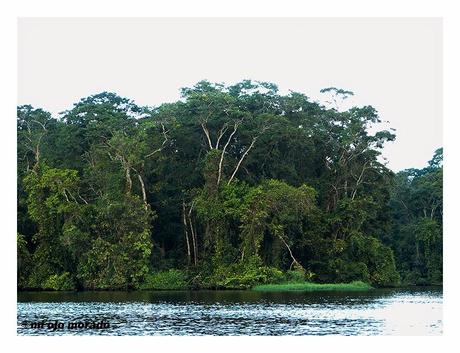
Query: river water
x,y
414,311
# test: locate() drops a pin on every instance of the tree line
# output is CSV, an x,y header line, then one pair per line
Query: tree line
x,y
228,187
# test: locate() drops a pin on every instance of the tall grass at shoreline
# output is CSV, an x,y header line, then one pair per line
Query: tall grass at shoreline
x,y
308,286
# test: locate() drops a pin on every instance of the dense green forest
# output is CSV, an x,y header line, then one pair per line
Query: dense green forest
x,y
229,187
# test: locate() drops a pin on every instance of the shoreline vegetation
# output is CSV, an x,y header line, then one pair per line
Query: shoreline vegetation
x,y
177,280
309,287
288,281
230,187
274,287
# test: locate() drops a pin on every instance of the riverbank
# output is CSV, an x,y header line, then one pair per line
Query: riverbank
x,y
274,287
309,286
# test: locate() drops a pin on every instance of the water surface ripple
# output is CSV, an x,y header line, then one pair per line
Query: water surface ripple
x,y
378,312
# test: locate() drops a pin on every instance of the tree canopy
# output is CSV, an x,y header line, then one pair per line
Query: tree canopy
x,y
228,187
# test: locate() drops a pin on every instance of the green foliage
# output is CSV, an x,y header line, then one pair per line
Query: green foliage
x,y
249,277
119,256
382,267
242,275
295,276
417,206
59,282
102,267
50,191
307,287
23,261
165,280
231,186
366,259
272,208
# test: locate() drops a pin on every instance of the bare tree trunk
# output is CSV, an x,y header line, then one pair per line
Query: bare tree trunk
x,y
65,195
223,152
186,233
294,260
434,206
222,132
194,241
71,195
37,155
81,198
206,132
35,148
359,181
144,194
129,182
241,160
194,237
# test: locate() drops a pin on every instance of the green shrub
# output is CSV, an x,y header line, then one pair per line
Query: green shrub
x,y
23,261
353,271
251,277
435,277
365,259
384,272
308,286
295,276
242,275
414,278
165,280
59,282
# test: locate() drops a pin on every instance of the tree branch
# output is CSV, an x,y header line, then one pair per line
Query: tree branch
x,y
222,131
206,132
165,135
241,159
235,128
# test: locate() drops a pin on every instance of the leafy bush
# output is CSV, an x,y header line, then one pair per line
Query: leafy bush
x,y
436,277
59,282
165,280
243,275
354,271
295,276
308,286
23,261
366,259
383,266
251,277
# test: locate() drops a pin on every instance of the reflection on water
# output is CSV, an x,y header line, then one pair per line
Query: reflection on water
x,y
377,312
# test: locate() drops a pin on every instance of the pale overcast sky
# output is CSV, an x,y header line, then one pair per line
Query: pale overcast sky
x,y
393,64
